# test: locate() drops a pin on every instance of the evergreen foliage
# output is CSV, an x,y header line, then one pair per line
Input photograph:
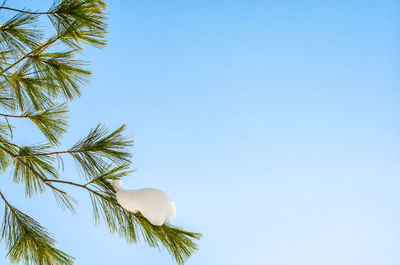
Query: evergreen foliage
x,y
39,75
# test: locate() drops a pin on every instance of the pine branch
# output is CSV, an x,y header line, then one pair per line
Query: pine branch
x,y
28,241
95,152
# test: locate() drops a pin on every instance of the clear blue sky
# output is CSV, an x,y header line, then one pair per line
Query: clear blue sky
x,y
274,125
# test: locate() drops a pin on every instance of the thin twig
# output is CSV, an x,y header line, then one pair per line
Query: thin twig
x,y
5,200
75,184
13,116
47,154
28,12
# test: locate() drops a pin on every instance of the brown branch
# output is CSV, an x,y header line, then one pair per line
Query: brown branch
x,y
66,182
28,12
13,116
76,184
47,154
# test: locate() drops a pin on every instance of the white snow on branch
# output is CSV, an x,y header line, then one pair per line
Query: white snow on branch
x,y
153,204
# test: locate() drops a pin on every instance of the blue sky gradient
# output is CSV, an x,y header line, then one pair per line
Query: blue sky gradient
x,y
274,125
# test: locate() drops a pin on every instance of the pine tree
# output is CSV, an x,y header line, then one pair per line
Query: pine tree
x,y
39,75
